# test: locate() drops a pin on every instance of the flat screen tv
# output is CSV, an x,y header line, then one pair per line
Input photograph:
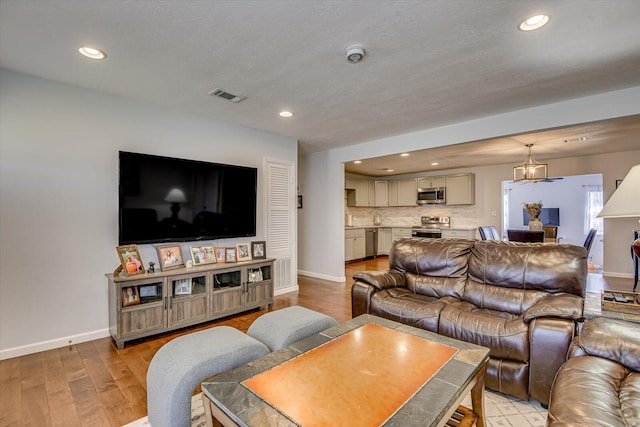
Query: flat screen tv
x,y
165,199
548,216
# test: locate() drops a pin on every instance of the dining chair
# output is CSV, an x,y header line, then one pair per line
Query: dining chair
x,y
489,232
526,236
589,240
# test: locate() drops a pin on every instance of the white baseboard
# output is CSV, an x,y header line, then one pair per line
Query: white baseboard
x,y
293,288
322,276
51,344
618,275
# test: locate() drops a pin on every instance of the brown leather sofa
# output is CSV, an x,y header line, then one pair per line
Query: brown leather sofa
x,y
599,385
521,300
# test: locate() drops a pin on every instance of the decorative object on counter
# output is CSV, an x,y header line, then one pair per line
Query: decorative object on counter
x,y
152,267
220,252
170,257
530,170
230,255
376,219
130,259
189,264
202,254
534,210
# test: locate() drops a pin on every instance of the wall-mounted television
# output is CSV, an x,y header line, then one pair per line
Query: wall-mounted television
x,y
548,216
163,199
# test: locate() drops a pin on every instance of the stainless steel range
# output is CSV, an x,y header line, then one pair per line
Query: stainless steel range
x,y
431,227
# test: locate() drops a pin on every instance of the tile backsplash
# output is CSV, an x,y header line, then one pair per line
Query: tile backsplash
x,y
408,216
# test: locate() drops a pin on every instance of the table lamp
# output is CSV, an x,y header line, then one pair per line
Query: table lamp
x,y
625,203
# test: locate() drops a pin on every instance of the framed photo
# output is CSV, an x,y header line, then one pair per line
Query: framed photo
x,y
130,259
149,291
182,286
220,253
243,252
130,296
258,250
230,255
169,257
202,254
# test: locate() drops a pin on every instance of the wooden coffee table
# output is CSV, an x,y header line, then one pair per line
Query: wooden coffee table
x,y
367,371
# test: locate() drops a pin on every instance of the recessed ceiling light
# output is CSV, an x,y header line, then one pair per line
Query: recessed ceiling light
x,y
435,164
582,138
357,162
404,155
387,169
534,22
286,114
91,52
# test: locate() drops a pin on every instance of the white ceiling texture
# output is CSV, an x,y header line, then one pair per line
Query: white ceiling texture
x,y
427,63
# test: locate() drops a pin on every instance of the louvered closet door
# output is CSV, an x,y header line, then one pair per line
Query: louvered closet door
x,y
280,223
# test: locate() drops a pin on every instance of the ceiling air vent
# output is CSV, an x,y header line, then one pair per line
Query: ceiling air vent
x,y
226,95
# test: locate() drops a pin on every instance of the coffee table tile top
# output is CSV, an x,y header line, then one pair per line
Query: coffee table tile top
x,y
427,407
593,309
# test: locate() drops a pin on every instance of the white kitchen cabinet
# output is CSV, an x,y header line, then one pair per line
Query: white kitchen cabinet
x,y
393,192
459,233
384,241
461,189
431,181
354,244
399,232
381,193
407,192
359,192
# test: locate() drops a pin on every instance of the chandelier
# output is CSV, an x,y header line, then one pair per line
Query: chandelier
x,y
530,170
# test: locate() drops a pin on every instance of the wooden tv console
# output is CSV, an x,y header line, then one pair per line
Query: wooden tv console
x,y
212,291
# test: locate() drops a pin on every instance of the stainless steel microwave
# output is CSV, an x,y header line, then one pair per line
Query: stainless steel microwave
x,y
431,196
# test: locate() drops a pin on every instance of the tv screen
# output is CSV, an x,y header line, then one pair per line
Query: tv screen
x,y
164,199
548,216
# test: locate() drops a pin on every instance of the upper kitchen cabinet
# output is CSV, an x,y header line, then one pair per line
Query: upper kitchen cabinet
x,y
407,192
381,193
431,181
461,189
360,192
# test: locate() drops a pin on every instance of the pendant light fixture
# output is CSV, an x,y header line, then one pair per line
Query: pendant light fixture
x,y
530,170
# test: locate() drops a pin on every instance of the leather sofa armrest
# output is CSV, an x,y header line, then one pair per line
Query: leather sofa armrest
x,y
563,306
612,339
382,279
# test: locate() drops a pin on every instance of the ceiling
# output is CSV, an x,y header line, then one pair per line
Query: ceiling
x,y
427,63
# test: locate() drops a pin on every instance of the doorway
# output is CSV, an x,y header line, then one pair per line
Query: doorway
x,y
578,199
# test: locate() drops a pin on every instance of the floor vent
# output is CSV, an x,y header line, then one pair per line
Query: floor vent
x,y
221,93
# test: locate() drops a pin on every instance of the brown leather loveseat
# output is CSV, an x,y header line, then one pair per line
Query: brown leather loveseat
x,y
521,300
599,385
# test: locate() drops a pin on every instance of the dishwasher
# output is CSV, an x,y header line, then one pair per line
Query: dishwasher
x,y
370,242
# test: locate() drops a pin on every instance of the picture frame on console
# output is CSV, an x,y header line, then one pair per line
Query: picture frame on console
x,y
130,260
243,252
170,257
202,254
130,296
230,255
182,286
221,253
258,250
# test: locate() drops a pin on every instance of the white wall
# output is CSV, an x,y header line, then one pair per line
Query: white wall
x,y
59,198
323,227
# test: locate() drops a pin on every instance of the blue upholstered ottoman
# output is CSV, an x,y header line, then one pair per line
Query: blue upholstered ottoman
x,y
180,365
278,329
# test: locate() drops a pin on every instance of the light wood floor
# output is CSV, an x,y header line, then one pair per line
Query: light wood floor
x,y
94,384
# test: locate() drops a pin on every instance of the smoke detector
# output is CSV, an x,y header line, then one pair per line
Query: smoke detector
x,y
354,53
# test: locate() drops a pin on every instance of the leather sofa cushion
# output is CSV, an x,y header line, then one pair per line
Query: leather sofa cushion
x,y
510,300
549,268
431,257
612,339
507,335
404,306
434,286
591,390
